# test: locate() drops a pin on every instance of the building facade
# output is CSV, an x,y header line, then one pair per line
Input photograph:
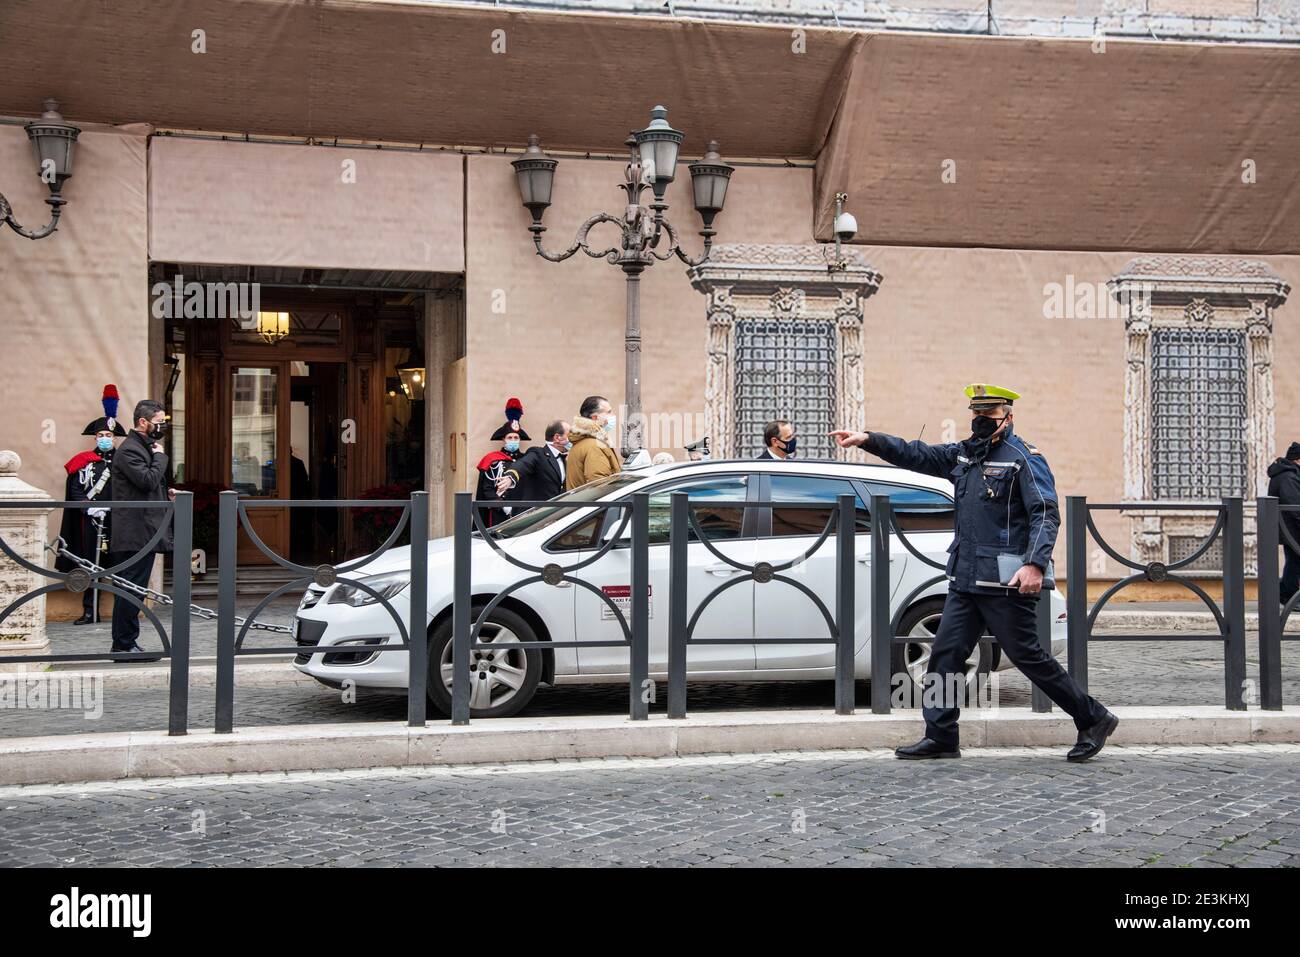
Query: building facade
x,y
1008,232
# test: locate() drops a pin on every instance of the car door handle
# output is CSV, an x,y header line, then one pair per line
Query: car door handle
x,y
866,559
724,570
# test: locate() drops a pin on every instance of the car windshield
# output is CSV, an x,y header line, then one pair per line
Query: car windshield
x,y
537,518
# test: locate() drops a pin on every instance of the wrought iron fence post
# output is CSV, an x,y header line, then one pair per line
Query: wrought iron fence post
x,y
845,613
417,626
227,534
1267,519
882,628
1234,600
178,696
639,670
1038,701
1076,595
460,614
678,537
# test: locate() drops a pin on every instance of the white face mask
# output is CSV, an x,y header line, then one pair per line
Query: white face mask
x,y
611,425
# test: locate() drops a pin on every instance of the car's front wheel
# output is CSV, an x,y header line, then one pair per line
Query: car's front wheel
x,y
912,658
502,681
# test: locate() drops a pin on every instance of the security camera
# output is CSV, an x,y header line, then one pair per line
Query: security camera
x,y
846,227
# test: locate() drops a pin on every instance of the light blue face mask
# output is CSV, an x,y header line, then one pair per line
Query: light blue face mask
x,y
512,446
104,445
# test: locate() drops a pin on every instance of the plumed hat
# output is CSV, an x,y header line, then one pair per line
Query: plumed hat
x,y
108,421
513,423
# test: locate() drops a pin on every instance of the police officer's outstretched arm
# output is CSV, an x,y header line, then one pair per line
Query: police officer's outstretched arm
x,y
936,460
1038,492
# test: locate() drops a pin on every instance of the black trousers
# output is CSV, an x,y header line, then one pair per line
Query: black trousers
x,y
126,616
967,616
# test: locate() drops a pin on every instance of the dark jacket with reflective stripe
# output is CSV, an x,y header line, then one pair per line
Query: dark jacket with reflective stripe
x,y
1007,504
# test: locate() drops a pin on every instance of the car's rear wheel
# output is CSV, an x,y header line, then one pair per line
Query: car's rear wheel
x,y
913,658
501,682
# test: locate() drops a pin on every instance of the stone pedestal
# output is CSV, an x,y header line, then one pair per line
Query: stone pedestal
x,y
25,531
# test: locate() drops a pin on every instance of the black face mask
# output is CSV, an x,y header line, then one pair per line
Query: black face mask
x,y
983,427
157,431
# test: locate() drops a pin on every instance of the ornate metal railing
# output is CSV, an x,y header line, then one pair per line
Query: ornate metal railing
x,y
1230,618
681,631
1273,612
176,646
466,626
233,515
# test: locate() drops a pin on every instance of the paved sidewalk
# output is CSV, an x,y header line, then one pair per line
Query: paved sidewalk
x,y
271,693
1199,807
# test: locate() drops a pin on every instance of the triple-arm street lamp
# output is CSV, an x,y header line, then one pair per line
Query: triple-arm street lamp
x,y
53,140
652,162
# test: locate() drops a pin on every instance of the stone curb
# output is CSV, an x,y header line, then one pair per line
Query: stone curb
x,y
123,677
1175,621
116,756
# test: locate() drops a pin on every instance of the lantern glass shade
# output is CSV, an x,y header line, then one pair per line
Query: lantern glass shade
x,y
709,178
535,173
535,185
658,145
412,377
273,326
710,191
53,142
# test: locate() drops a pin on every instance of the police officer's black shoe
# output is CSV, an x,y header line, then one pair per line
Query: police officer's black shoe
x,y
134,649
927,748
1093,739
86,619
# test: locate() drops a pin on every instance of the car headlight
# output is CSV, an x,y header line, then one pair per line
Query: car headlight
x,y
386,585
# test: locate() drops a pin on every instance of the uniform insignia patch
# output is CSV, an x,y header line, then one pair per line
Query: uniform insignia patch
x,y
1032,450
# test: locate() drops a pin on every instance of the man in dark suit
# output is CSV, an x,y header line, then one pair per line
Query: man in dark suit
x,y
778,440
139,475
540,472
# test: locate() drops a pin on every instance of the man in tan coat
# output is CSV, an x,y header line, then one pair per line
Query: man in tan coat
x,y
592,433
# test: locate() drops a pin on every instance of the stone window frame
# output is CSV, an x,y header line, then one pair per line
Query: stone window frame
x,y
782,283
1194,292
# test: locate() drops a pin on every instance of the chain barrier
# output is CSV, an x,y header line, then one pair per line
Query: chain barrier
x,y
59,547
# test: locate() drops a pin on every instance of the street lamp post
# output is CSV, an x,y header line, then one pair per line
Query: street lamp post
x,y
53,140
652,162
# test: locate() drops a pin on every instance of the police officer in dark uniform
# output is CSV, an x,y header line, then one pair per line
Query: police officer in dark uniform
x,y
1007,520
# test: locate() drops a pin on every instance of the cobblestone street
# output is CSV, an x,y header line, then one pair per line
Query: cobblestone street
x,y
1133,807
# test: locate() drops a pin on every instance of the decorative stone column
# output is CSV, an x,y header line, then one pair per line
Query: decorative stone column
x,y
784,286
24,530
1194,293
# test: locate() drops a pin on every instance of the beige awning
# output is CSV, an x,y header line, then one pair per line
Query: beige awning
x,y
1144,146
422,72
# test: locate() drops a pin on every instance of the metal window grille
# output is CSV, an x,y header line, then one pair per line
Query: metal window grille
x,y
1180,546
1198,388
785,369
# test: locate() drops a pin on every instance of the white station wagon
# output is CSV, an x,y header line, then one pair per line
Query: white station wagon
x,y
329,619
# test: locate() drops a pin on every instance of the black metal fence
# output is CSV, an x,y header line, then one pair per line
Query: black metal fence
x,y
176,647
1270,521
681,630
233,516
472,606
466,627
1229,528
